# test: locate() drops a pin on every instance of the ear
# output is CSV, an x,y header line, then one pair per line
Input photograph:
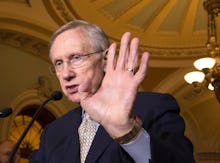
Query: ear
x,y
105,57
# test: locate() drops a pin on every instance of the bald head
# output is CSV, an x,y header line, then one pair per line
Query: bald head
x,y
6,148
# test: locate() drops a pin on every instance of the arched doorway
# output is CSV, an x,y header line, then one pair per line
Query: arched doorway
x,y
32,139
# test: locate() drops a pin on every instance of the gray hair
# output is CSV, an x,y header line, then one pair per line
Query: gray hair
x,y
97,38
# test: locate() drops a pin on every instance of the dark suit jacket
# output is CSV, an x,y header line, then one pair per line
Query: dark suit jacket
x,y
160,116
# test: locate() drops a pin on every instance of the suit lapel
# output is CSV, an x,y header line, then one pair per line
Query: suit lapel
x,y
72,152
98,147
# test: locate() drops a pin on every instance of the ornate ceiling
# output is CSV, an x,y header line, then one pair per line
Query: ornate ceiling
x,y
167,28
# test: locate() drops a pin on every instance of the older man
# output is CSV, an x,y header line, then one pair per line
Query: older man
x,y
114,123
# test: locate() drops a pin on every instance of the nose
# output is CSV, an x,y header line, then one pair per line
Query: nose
x,y
68,73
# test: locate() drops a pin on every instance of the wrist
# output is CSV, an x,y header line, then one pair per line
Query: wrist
x,y
129,136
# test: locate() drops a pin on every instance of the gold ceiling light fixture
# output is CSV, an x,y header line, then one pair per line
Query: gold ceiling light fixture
x,y
208,68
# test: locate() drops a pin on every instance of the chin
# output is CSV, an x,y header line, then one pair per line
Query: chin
x,y
74,98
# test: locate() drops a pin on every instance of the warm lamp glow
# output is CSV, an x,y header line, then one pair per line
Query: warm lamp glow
x,y
210,87
194,76
203,63
208,74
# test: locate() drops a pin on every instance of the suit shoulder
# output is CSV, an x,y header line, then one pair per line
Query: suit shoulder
x,y
152,97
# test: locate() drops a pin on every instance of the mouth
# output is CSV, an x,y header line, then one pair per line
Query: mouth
x,y
72,89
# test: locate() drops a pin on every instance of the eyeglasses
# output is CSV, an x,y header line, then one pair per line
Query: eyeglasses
x,y
75,61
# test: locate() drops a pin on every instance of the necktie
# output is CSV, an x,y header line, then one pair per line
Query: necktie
x,y
87,131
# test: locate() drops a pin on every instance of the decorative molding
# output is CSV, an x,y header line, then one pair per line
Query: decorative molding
x,y
62,10
26,43
178,53
39,48
59,11
44,87
26,2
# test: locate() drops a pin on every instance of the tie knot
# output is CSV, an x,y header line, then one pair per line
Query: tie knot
x,y
86,116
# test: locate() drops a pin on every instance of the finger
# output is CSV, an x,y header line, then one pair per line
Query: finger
x,y
133,54
142,71
124,50
111,58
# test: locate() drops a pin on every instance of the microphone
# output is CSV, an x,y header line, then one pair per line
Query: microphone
x,y
5,112
56,95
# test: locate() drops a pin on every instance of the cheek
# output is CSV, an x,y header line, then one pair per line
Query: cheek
x,y
94,73
97,78
94,69
62,85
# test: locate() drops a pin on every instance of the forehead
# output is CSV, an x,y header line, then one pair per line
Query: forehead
x,y
70,42
72,37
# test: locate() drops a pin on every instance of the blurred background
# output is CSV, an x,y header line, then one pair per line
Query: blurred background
x,y
173,31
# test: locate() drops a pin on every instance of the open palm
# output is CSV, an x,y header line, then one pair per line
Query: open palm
x,y
111,105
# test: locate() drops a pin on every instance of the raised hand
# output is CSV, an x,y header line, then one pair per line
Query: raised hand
x,y
111,105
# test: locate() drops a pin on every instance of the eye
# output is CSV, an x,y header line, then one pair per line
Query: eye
x,y
75,58
58,64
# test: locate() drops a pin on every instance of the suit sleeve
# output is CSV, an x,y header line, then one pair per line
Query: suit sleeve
x,y
166,128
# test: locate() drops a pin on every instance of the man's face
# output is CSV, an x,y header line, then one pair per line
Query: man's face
x,y
91,73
